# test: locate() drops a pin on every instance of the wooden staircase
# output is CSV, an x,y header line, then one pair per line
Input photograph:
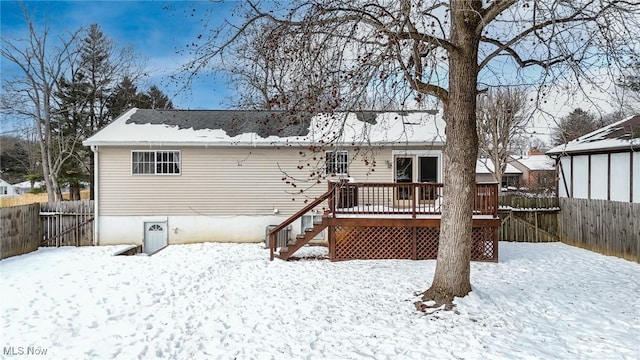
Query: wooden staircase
x,y
309,233
304,238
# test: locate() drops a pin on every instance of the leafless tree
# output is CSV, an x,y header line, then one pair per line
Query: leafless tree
x,y
628,88
411,50
31,94
502,118
102,66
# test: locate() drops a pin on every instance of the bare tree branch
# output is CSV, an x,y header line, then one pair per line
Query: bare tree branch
x,y
34,88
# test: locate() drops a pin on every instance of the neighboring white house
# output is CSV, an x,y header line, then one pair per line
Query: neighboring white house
x,y
6,189
604,164
179,176
25,186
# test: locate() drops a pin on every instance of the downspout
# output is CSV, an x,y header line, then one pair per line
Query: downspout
x,y
96,193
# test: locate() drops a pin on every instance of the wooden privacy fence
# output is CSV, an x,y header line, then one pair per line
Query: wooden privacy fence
x,y
24,228
517,225
67,223
607,227
528,219
525,202
20,230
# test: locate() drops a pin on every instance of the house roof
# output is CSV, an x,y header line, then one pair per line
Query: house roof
x,y
269,128
536,162
624,134
485,166
27,185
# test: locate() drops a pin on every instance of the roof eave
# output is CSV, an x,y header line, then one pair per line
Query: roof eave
x,y
626,148
251,144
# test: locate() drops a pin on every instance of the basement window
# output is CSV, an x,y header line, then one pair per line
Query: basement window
x,y
155,162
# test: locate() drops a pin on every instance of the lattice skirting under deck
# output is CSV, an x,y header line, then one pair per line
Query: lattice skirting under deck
x,y
418,243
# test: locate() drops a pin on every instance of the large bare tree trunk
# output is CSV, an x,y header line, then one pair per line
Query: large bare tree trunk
x,y
386,52
452,275
46,169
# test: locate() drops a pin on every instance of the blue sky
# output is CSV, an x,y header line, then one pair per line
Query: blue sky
x,y
158,30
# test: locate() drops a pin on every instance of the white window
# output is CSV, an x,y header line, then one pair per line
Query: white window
x,y
155,162
3,190
337,163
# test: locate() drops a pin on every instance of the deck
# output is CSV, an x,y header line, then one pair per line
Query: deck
x,y
390,221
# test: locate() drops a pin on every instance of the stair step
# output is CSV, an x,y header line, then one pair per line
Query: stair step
x,y
302,239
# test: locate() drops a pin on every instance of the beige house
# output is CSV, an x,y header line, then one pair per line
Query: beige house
x,y
180,176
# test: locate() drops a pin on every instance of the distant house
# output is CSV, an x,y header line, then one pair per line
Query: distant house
x,y
511,179
26,186
227,175
538,170
604,164
6,189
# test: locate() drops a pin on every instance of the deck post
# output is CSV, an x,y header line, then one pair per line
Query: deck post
x,y
496,191
331,201
332,242
413,199
272,245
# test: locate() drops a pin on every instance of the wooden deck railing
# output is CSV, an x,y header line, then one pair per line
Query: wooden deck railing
x,y
402,199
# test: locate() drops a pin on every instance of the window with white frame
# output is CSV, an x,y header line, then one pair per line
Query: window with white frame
x,y
4,190
337,162
161,162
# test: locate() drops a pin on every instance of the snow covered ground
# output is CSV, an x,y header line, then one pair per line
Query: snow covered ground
x,y
207,301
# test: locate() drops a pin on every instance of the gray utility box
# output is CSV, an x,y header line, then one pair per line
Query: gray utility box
x,y
282,239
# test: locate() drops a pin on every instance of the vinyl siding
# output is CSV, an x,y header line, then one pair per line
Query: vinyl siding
x,y
225,181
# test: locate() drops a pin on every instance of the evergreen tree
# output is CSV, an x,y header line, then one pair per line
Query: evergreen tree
x,y
73,112
125,96
99,72
157,99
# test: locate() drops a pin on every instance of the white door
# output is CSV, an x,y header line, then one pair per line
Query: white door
x,y
155,236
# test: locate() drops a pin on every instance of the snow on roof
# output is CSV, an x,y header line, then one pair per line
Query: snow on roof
x,y
624,134
537,162
269,128
27,185
485,166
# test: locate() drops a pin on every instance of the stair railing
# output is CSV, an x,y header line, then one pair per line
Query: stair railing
x,y
274,232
